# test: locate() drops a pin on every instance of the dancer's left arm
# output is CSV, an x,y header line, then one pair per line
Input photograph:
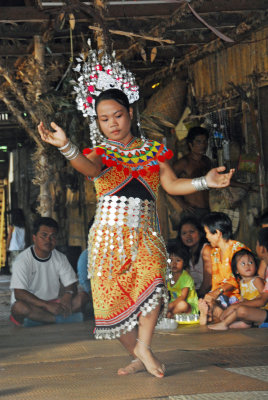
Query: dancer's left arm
x,y
182,186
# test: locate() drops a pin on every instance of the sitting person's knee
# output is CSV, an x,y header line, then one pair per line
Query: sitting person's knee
x,y
242,312
20,308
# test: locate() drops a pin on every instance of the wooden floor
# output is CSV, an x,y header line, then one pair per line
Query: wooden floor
x,y
65,362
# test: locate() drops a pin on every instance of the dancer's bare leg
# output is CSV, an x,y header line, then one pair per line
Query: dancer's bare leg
x,y
129,341
142,348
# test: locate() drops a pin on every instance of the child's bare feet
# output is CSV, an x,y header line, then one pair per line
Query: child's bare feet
x,y
240,325
144,353
203,308
220,326
135,366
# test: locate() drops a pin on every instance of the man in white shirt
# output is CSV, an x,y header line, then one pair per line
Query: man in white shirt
x,y
37,275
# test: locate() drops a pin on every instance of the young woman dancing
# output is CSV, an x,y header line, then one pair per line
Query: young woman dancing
x,y
127,255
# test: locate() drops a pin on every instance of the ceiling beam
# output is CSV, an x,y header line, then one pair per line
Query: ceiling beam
x,y
32,14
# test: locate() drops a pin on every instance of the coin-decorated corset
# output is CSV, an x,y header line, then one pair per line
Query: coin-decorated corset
x,y
138,159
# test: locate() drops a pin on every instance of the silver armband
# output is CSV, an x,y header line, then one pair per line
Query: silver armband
x,y
71,153
200,183
65,146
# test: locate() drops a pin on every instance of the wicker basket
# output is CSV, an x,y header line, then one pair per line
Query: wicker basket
x,y
167,104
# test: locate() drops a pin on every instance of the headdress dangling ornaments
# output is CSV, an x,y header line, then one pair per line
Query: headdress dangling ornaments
x,y
95,77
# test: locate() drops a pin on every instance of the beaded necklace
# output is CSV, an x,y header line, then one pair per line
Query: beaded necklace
x,y
137,161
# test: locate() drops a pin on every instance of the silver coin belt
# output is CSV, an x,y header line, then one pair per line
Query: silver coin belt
x,y
114,212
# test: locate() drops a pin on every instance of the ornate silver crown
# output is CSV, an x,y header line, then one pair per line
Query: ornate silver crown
x,y
96,76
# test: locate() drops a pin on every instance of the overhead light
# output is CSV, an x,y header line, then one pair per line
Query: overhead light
x,y
3,116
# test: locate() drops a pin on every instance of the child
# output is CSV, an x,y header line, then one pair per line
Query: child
x,y
255,310
244,267
180,285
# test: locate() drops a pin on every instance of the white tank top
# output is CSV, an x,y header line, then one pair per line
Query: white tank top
x,y
17,239
196,270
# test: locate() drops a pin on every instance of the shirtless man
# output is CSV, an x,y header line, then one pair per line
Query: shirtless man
x,y
193,165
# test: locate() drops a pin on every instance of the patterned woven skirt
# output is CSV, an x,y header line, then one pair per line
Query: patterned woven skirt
x,y
127,264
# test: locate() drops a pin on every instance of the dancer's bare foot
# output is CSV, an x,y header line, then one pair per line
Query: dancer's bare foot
x,y
135,366
146,356
203,308
220,326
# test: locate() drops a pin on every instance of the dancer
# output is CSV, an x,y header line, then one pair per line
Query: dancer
x,y
127,256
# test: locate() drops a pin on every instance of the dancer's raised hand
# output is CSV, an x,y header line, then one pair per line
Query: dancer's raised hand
x,y
216,179
57,137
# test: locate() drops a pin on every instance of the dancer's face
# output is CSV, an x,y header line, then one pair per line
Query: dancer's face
x,y
189,235
115,121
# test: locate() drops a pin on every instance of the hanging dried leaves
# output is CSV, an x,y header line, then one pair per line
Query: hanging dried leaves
x,y
153,54
143,54
72,21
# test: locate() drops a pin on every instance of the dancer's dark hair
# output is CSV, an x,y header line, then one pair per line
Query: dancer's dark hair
x,y
113,94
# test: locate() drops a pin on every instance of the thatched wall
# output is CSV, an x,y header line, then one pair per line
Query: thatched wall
x,y
212,74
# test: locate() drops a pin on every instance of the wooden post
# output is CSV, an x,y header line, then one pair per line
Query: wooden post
x,y
45,195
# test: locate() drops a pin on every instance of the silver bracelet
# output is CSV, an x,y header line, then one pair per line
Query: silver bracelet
x,y
65,146
68,152
72,153
200,183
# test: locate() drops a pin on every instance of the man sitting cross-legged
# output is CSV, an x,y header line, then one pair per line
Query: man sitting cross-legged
x,y
37,275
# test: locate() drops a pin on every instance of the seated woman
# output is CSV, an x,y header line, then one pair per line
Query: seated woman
x,y
180,285
225,288
191,236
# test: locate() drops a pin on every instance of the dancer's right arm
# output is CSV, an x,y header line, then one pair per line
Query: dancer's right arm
x,y
90,165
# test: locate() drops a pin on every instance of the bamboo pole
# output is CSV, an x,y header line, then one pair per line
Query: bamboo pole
x,y
130,34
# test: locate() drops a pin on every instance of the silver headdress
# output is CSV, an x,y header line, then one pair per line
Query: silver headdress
x,y
95,77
